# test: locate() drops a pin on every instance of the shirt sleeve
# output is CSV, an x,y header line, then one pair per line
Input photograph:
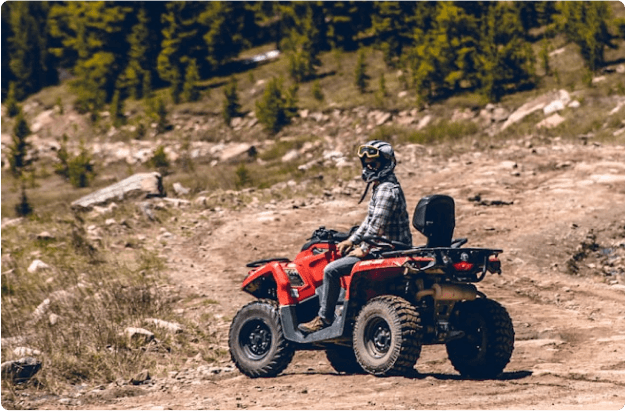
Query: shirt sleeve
x,y
378,218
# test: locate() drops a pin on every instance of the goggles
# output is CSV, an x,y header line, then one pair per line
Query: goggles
x,y
368,151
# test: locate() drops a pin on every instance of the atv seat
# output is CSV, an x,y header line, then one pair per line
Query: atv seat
x,y
435,218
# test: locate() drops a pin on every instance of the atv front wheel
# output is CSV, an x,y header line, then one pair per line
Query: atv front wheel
x,y
257,344
488,341
387,336
343,360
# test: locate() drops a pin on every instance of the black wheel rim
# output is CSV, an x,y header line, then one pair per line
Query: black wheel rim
x,y
378,337
474,340
255,339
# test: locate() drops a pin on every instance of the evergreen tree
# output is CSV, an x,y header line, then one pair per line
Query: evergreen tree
x,y
230,27
93,38
190,90
586,24
141,45
5,59
117,109
19,161
361,77
316,91
303,30
182,42
271,108
31,66
231,106
393,23
345,20
23,208
13,109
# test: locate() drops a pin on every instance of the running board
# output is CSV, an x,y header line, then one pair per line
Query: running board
x,y
292,333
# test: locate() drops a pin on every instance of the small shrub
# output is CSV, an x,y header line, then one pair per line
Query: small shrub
x,y
13,108
80,168
160,161
316,91
443,131
361,78
231,106
23,208
243,177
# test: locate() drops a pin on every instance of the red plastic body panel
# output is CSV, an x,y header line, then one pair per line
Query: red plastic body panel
x,y
310,264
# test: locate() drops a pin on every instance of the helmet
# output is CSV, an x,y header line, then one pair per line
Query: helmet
x,y
381,151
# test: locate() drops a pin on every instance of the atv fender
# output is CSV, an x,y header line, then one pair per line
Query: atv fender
x,y
273,270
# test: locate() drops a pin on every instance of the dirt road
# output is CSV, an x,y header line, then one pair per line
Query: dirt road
x,y
557,210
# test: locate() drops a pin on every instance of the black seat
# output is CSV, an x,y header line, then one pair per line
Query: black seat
x,y
435,218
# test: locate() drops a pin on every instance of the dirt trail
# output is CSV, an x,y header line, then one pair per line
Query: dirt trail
x,y
542,205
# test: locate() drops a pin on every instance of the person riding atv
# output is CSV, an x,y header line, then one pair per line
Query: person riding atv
x,y
387,217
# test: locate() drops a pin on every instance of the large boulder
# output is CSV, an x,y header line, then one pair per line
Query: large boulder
x,y
136,186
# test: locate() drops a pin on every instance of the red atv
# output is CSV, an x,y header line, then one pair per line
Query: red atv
x,y
391,304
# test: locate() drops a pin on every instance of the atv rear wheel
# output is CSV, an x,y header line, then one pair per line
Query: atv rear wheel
x,y
387,336
343,360
488,341
257,344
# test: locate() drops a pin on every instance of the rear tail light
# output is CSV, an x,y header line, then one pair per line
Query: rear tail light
x,y
463,266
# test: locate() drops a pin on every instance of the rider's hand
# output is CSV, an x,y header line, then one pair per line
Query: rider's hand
x,y
357,252
343,246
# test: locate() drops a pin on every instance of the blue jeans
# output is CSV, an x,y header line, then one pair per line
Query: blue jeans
x,y
331,287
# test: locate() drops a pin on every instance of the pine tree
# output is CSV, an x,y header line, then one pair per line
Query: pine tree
x,y
316,91
5,59
182,42
28,59
190,90
140,41
93,35
586,24
18,150
230,27
392,25
23,208
117,109
361,77
270,109
231,106
13,109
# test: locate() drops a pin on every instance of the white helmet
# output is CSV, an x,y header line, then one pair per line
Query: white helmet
x,y
381,151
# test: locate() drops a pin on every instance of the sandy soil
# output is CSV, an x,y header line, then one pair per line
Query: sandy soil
x,y
555,201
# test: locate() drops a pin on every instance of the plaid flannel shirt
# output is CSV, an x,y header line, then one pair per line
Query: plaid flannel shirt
x,y
387,216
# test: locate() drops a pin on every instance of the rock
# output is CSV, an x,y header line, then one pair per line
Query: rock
x,y
598,79
36,266
44,119
41,309
141,378
139,335
171,327
424,122
25,351
538,103
45,236
11,221
180,190
20,370
551,122
53,319
499,114
574,104
138,185
292,155
553,107
234,150
383,118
